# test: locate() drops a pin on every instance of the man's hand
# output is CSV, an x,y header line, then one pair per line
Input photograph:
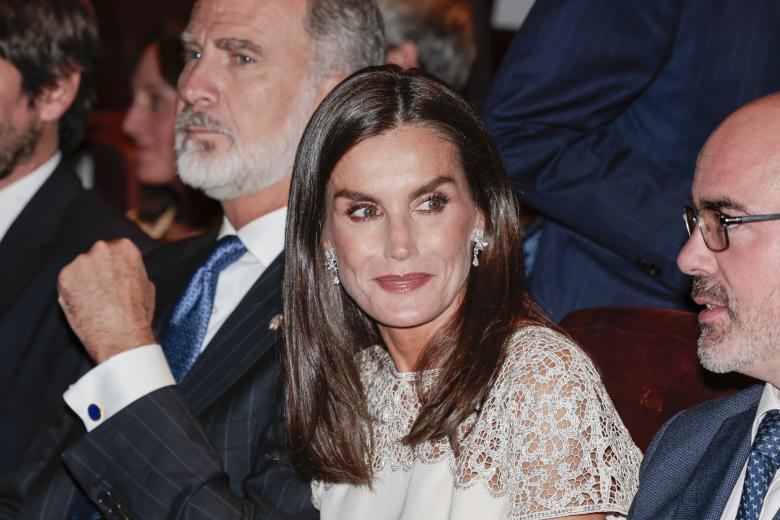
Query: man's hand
x,y
108,299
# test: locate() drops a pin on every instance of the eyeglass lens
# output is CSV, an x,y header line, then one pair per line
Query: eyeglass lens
x,y
712,229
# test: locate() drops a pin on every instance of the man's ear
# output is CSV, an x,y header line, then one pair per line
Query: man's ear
x,y
54,101
406,55
328,83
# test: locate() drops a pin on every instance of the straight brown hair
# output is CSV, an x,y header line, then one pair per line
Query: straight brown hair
x,y
327,416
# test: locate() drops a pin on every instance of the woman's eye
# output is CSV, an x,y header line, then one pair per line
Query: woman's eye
x,y
364,212
433,204
155,101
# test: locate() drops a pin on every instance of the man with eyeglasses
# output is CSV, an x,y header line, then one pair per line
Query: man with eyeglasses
x,y
719,460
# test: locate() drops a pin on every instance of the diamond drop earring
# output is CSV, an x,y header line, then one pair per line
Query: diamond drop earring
x,y
332,265
480,243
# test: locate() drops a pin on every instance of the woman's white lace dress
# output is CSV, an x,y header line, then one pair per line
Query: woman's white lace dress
x,y
547,443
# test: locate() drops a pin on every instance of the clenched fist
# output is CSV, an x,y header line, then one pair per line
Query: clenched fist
x,y
108,299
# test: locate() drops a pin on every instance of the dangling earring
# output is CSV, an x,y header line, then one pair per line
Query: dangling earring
x,y
480,243
332,265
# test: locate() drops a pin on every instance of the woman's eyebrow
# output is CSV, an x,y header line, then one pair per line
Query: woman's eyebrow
x,y
355,195
430,186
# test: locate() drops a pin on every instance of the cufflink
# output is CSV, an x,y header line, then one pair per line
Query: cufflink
x,y
95,412
276,322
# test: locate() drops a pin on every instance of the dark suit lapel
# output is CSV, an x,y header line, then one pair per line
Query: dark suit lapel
x,y
27,242
711,484
239,343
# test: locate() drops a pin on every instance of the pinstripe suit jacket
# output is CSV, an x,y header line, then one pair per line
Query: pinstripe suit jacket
x,y
212,447
695,459
600,109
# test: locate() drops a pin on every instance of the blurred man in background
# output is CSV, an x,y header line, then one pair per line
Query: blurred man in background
x,y
47,61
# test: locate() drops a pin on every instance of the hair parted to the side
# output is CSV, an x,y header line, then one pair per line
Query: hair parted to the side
x,y
327,416
347,35
46,40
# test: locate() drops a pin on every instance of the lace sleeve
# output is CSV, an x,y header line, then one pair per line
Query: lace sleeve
x,y
570,452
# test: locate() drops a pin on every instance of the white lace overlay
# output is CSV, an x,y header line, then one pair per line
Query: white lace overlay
x,y
548,439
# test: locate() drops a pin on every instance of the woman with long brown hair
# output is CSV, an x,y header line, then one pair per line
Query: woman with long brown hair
x,y
422,382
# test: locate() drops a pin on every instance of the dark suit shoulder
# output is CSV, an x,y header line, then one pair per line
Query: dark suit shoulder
x,y
708,416
695,458
179,254
92,217
686,435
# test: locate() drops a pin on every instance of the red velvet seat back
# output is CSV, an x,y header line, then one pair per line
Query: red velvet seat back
x,y
648,361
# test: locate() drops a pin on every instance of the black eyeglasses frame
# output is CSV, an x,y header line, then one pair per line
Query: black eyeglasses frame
x,y
691,217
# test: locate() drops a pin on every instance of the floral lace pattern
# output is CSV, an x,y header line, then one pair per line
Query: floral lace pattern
x,y
548,438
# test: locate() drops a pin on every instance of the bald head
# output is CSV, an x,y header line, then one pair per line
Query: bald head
x,y
746,145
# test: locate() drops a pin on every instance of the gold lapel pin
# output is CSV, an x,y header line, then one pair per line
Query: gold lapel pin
x,y
276,322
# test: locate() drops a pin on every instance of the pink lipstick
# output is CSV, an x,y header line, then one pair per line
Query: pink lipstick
x,y
404,283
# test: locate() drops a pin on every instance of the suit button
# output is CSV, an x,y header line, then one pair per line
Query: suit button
x,y
104,498
649,267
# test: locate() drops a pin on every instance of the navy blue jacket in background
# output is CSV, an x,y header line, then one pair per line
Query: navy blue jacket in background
x,y
600,109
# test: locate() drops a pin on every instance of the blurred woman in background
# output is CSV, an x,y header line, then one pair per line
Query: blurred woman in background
x,y
167,209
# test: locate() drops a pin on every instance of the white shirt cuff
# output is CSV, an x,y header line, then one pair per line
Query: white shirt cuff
x,y
117,382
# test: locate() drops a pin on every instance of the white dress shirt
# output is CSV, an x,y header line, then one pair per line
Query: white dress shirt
x,y
128,376
15,196
770,400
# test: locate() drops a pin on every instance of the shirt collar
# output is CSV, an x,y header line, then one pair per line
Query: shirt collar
x,y
770,400
263,237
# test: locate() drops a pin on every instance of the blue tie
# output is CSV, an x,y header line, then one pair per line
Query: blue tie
x,y
186,327
183,334
763,461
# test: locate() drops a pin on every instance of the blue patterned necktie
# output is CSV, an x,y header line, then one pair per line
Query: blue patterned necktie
x,y
763,462
183,334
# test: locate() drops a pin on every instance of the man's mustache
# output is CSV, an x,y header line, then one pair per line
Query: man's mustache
x,y
709,288
189,118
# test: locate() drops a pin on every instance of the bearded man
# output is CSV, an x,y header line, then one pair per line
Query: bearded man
x,y
47,61
719,460
191,426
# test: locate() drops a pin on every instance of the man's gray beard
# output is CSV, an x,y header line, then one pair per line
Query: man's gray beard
x,y
749,338
16,146
239,171
244,168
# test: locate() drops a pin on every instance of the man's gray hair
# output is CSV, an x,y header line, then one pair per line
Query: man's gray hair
x,y
442,30
347,35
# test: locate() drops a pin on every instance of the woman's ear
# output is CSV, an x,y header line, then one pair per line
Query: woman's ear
x,y
327,243
479,225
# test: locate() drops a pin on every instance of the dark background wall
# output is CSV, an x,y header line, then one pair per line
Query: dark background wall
x,y
125,27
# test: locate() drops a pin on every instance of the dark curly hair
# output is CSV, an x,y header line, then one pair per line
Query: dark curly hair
x,y
46,40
